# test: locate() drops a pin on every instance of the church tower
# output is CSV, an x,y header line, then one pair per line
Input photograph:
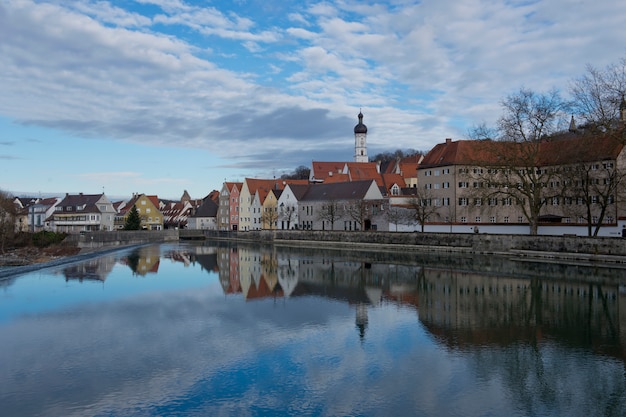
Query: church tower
x,y
360,141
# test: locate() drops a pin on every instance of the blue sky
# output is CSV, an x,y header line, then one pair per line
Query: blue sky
x,y
161,96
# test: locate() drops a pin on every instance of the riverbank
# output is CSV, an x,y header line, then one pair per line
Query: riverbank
x,y
32,260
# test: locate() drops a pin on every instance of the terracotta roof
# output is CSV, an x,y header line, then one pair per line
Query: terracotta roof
x,y
364,171
321,170
230,185
566,148
390,179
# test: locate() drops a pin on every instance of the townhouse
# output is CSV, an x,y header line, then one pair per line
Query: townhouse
x,y
228,212
82,213
148,209
357,205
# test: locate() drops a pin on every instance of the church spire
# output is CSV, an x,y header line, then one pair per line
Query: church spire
x,y
572,125
360,140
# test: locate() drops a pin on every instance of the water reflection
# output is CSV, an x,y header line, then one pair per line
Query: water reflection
x,y
258,330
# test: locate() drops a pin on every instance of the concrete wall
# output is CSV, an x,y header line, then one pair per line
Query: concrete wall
x,y
121,237
614,249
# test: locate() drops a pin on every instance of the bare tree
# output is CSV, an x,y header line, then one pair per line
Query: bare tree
x,y
397,215
598,95
359,212
287,214
7,220
514,169
269,217
330,212
423,206
591,191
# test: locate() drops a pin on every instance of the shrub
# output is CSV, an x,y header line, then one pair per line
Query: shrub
x,y
44,238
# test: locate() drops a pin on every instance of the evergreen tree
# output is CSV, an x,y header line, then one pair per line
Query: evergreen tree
x,y
133,221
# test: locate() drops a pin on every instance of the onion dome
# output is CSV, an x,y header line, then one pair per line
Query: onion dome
x,y
360,128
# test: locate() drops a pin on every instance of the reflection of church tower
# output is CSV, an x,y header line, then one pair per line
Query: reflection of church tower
x,y
361,319
360,141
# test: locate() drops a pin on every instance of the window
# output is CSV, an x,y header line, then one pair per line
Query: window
x,y
506,201
428,186
463,202
437,186
478,201
520,219
506,219
446,171
594,199
492,219
463,171
477,219
428,173
493,202
463,219
446,201
143,202
607,165
463,184
555,201
446,185
436,173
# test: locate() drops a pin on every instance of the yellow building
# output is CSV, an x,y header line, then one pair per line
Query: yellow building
x,y
148,208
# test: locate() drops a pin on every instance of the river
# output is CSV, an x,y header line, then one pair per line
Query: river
x,y
208,329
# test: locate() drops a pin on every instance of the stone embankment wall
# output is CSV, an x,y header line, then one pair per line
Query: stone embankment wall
x,y
557,247
121,238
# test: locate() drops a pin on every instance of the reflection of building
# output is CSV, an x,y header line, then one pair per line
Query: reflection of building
x,y
144,260
466,308
95,269
477,301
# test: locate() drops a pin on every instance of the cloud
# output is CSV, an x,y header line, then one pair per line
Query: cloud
x,y
289,84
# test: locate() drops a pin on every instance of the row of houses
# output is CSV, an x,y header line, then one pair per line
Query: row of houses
x,y
76,213
573,182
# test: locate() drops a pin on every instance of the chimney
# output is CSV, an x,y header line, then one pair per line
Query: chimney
x,y
448,141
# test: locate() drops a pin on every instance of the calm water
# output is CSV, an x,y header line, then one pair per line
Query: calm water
x,y
198,330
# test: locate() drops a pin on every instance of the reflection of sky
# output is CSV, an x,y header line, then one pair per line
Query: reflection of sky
x,y
172,344
47,289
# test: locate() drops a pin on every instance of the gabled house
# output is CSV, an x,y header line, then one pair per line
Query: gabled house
x,y
269,215
205,216
40,211
81,213
253,194
176,213
357,205
228,213
287,205
148,208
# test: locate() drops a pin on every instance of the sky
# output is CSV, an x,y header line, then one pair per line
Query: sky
x,y
162,96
